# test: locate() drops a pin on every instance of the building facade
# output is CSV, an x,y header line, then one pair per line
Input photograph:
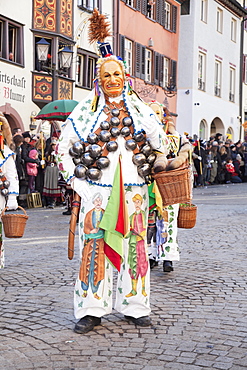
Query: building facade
x,y
209,68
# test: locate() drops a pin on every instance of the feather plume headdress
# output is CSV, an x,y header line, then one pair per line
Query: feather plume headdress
x,y
99,30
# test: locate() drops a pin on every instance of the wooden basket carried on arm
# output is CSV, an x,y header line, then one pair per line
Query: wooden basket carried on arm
x,y
175,186
187,216
14,224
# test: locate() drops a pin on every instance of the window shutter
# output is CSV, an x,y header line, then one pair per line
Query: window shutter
x,y
161,70
122,47
143,57
156,68
138,5
244,69
144,7
174,18
138,60
162,14
158,11
174,73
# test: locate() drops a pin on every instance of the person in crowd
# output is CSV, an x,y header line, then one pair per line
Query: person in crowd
x,y
39,179
9,177
114,116
25,149
233,175
32,170
199,160
20,167
215,164
51,190
16,131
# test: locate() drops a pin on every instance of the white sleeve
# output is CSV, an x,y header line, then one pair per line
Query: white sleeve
x,y
11,175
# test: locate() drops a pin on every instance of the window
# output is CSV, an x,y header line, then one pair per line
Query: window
x,y
166,71
204,10
233,29
232,85
217,78
219,20
202,129
245,69
201,71
128,55
148,66
167,15
185,7
89,4
151,9
85,67
130,3
11,41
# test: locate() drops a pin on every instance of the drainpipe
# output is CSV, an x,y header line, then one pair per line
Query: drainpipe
x,y
116,11
241,76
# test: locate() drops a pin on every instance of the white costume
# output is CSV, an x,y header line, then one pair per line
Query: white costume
x,y
8,168
95,297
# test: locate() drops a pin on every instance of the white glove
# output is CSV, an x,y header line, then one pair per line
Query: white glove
x,y
81,187
200,158
12,202
212,161
42,162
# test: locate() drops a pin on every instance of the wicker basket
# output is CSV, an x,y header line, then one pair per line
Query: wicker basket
x,y
14,224
187,216
175,186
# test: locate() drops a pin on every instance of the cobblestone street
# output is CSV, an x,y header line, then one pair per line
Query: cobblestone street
x,y
199,311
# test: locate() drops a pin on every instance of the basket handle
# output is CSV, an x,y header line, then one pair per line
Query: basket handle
x,y
2,214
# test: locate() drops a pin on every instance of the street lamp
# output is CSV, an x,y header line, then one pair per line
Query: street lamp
x,y
64,55
42,49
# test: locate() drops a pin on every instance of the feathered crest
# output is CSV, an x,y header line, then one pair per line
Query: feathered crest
x,y
99,28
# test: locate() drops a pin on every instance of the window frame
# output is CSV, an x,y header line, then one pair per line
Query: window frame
x,y
128,55
219,20
86,5
86,74
217,78
201,71
233,29
18,48
204,11
148,65
232,84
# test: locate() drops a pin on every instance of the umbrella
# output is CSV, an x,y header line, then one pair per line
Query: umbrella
x,y
57,110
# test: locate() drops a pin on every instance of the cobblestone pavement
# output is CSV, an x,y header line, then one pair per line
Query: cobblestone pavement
x,y
199,311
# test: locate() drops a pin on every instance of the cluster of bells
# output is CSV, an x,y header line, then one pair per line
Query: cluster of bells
x,y
4,185
89,160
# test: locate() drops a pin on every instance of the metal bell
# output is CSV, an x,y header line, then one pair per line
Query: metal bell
x,y
146,149
130,144
105,136
125,131
139,137
144,170
72,153
87,160
78,148
105,125
127,121
6,184
1,184
139,159
114,121
151,158
76,161
112,146
92,138
5,192
115,112
80,171
115,131
94,173
102,162
95,150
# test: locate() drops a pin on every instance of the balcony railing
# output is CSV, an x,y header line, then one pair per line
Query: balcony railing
x,y
231,96
201,84
217,91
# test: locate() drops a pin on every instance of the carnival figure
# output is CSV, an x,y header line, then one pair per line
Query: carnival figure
x,y
9,184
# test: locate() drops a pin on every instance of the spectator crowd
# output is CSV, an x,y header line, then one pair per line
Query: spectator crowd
x,y
219,162
214,162
37,169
